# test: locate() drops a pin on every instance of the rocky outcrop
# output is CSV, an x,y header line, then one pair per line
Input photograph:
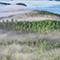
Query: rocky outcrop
x,y
21,4
3,3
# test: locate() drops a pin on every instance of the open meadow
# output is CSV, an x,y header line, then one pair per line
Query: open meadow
x,y
30,35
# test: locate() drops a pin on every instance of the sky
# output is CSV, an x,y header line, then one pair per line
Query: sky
x,y
30,0
25,0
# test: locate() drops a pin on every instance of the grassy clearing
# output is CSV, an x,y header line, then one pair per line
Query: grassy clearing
x,y
41,44
30,49
48,13
44,26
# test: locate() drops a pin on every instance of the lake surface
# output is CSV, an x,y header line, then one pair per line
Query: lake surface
x,y
51,6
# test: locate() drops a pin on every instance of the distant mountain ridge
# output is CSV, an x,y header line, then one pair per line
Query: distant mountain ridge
x,y
21,4
5,3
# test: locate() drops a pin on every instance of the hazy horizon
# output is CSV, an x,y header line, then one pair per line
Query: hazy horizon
x,y
29,0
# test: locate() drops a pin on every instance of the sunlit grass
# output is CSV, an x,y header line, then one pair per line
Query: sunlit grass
x,y
44,26
30,49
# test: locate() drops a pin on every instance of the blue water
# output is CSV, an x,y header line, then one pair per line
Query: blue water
x,y
51,6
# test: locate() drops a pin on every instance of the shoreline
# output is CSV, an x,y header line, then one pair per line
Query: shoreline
x,y
27,15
